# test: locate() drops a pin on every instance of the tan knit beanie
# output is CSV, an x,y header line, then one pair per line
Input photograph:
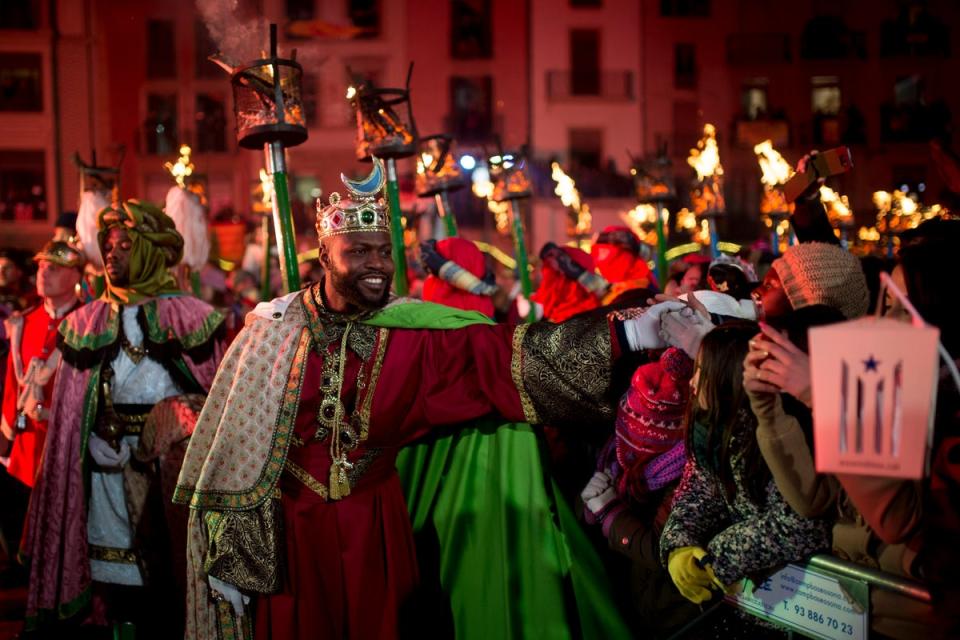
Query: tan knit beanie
x,y
820,273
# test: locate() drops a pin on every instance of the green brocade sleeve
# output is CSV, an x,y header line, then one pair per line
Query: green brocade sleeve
x,y
566,370
244,547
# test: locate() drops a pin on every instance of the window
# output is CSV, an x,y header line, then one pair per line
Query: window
x,y
19,14
23,185
365,14
21,82
910,117
825,95
584,62
576,4
161,49
915,32
203,47
586,148
211,123
160,125
753,99
684,66
685,8
301,9
470,30
471,107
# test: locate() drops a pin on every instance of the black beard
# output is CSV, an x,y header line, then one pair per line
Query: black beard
x,y
346,285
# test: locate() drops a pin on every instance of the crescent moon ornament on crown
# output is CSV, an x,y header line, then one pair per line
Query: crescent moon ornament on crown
x,y
363,212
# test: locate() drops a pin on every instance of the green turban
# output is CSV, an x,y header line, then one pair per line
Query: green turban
x,y
156,247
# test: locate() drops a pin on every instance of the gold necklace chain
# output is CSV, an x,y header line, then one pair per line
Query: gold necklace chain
x,y
339,465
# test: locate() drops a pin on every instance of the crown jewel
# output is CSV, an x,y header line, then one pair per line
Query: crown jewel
x,y
363,212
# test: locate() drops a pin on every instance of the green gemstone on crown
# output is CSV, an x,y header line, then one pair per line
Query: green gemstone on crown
x,y
366,217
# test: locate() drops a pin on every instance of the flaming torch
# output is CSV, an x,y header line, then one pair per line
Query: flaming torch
x,y
437,175
483,189
838,211
774,207
185,206
511,186
579,220
268,107
384,133
654,184
707,190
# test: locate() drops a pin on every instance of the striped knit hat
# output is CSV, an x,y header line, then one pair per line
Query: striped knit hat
x,y
820,273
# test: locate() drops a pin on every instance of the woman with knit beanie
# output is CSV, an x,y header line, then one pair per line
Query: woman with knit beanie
x,y
631,493
884,523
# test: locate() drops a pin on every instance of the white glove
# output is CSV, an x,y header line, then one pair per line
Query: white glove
x,y
643,332
685,330
598,493
105,455
230,593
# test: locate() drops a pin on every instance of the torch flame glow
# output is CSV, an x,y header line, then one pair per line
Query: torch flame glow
x,y
351,92
183,168
776,170
838,206
705,159
566,188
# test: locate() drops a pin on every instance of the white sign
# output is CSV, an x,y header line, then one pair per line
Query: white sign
x,y
807,601
874,391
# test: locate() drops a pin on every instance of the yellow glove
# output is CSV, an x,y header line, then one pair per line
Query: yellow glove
x,y
692,582
728,589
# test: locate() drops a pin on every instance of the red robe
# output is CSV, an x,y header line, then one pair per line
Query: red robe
x,y
38,340
351,567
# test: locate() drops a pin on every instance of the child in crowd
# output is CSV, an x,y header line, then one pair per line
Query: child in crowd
x,y
729,521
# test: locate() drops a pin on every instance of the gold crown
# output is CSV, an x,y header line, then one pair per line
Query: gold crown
x,y
363,212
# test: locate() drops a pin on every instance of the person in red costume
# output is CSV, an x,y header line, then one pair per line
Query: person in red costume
x,y
616,253
450,264
31,363
561,294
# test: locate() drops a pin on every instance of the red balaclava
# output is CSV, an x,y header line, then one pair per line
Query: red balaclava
x,y
617,263
464,253
562,297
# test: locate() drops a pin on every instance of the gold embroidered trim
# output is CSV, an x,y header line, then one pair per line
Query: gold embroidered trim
x,y
380,349
111,554
516,370
308,480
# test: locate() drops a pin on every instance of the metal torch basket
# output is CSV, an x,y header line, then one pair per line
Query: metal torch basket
x,y
509,176
385,124
653,179
437,168
268,103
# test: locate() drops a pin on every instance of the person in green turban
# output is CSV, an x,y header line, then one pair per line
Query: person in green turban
x,y
103,541
140,244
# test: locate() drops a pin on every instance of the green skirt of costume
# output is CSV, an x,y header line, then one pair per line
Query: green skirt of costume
x,y
511,557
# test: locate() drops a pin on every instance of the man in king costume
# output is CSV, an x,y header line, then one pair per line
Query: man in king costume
x,y
134,366
298,526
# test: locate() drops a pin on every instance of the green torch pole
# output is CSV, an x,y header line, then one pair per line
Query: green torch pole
x,y
265,289
396,230
520,251
661,262
446,214
283,217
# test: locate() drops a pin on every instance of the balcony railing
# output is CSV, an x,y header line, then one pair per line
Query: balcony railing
x,y
473,127
606,85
